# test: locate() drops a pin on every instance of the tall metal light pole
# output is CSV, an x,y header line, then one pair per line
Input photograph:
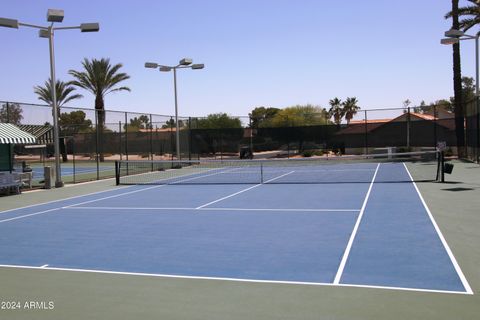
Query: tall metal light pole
x,y
53,15
184,63
455,36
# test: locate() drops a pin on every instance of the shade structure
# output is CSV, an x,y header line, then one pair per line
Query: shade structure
x,y
10,133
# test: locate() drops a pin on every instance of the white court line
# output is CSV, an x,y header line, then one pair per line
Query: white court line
x,y
213,209
29,215
326,284
140,190
84,202
442,238
341,267
65,199
244,190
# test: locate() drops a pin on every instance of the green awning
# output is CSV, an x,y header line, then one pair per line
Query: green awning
x,y
10,133
43,133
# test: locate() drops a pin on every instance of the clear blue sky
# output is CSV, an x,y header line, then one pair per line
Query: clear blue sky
x,y
257,52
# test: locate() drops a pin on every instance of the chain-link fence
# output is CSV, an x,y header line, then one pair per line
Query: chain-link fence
x,y
92,140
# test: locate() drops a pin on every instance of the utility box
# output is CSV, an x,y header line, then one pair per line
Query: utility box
x,y
49,177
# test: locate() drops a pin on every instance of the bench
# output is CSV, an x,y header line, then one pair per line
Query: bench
x,y
25,178
9,183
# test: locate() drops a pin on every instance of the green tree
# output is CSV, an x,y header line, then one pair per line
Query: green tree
x,y
336,110
74,122
171,124
457,82
468,89
300,115
262,116
350,108
142,122
218,121
422,107
100,78
11,113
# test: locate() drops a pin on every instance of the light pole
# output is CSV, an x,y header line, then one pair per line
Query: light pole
x,y
184,63
455,36
53,15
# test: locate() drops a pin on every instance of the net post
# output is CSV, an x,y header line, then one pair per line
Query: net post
x,y
261,172
117,172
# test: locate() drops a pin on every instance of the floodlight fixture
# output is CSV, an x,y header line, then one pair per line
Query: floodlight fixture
x,y
8,23
90,27
165,69
454,33
198,66
151,65
449,41
55,15
185,62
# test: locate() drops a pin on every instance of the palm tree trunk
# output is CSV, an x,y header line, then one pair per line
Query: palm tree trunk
x,y
457,87
99,107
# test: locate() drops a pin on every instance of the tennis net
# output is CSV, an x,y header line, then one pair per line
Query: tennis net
x,y
392,167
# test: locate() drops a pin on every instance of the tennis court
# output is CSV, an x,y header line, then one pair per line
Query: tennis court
x,y
371,228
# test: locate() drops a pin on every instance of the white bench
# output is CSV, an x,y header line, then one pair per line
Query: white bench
x,y
25,178
9,183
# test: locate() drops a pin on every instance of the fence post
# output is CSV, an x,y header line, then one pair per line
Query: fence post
x,y
172,138
120,138
408,128
8,112
73,160
366,131
251,133
189,138
126,138
435,126
151,138
97,155
477,134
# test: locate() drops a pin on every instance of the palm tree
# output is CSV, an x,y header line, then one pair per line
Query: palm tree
x,y
63,91
336,110
100,78
464,25
350,108
470,13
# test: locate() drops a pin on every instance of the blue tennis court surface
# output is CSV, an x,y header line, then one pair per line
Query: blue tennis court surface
x,y
38,172
375,234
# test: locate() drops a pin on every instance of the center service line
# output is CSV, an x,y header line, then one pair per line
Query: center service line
x,y
241,191
338,276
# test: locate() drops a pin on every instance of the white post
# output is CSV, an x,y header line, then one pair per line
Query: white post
x,y
56,138
177,132
477,97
